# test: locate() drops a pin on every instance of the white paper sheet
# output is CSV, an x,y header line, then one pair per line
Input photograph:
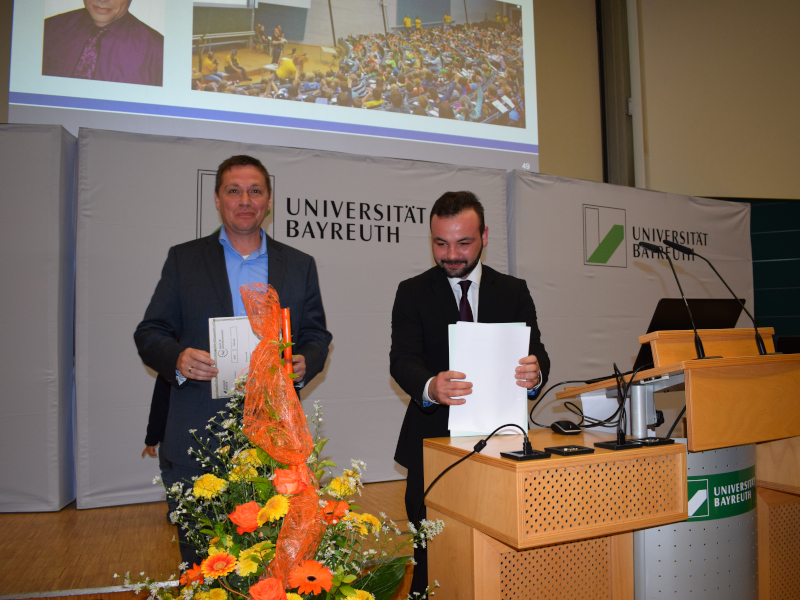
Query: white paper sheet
x,y
499,106
488,354
232,343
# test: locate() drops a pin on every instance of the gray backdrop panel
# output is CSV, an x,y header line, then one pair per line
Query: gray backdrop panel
x,y
141,194
591,314
37,296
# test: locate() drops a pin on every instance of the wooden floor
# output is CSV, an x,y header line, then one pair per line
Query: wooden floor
x,y
80,549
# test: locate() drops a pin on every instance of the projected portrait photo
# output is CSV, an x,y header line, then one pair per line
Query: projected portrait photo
x,y
431,65
104,40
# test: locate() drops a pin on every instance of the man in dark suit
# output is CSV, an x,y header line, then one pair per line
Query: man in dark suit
x,y
458,288
201,280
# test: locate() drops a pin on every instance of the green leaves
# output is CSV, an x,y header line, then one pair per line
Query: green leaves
x,y
320,445
384,580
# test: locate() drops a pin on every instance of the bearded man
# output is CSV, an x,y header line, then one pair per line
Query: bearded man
x,y
458,288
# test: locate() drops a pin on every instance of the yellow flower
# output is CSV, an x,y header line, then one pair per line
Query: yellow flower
x,y
242,472
275,508
293,596
247,566
217,594
346,485
369,519
214,546
209,486
201,596
361,595
353,518
248,457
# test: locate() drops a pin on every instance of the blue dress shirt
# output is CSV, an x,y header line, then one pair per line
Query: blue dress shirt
x,y
241,270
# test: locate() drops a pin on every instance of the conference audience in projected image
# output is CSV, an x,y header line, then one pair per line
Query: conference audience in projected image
x,y
469,72
103,41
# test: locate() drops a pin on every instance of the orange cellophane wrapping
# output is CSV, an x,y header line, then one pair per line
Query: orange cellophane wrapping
x,y
275,421
287,337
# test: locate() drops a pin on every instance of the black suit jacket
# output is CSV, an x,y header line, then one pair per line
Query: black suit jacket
x,y
423,308
194,288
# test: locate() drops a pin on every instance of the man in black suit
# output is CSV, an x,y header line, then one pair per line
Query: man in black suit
x,y
201,280
454,290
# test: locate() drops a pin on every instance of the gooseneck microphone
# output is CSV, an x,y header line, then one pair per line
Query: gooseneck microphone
x,y
762,349
698,344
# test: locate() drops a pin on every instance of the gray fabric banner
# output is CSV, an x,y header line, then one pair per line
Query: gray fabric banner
x,y
575,242
37,239
364,219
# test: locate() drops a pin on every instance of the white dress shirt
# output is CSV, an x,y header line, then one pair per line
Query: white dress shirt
x,y
472,298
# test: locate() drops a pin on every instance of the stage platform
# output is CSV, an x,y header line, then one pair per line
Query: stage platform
x,y
75,553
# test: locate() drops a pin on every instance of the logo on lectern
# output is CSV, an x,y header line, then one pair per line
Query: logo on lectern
x,y
604,242
697,492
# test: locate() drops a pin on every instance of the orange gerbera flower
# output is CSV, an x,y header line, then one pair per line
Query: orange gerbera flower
x,y
334,510
191,575
218,565
310,577
268,589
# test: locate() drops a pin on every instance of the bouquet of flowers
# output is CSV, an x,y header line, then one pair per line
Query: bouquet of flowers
x,y
267,516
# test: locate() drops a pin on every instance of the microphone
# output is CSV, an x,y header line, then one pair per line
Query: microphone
x,y
762,350
698,344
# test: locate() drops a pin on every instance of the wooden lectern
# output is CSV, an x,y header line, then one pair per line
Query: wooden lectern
x,y
741,398
550,528
560,527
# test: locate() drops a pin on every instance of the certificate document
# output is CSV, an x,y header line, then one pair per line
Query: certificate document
x,y
232,343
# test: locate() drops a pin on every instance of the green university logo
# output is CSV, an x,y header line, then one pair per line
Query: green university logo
x,y
722,495
604,236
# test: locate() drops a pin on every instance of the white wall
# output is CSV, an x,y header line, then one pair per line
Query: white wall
x,y
720,97
352,17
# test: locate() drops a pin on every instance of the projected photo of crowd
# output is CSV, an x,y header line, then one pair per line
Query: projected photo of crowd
x,y
466,66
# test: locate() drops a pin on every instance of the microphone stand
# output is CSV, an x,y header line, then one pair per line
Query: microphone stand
x,y
698,344
762,350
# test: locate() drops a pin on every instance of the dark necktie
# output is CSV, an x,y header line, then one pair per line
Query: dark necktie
x,y
464,308
87,63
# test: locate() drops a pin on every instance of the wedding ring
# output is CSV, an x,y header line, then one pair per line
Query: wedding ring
x,y
190,369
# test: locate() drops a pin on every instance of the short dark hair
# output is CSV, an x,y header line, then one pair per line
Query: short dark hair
x,y
343,99
242,160
451,204
396,98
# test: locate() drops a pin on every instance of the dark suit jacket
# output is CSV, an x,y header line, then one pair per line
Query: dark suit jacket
x,y
193,288
423,308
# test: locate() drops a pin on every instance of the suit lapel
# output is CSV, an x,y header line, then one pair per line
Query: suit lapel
x,y
215,261
486,299
444,295
276,265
